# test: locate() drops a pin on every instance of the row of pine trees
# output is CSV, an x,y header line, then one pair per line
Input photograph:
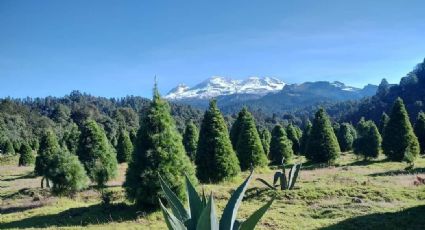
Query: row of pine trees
x,y
212,153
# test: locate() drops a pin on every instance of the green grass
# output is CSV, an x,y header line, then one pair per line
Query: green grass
x,y
354,195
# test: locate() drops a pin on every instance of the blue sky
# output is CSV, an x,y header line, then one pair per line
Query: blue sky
x,y
115,48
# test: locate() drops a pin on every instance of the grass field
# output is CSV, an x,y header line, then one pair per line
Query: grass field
x,y
353,195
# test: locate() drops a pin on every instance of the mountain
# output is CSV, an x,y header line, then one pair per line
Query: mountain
x,y
221,86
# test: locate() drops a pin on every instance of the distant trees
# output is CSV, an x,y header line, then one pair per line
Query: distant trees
x,y
368,142
383,123
420,131
280,146
49,147
265,137
96,154
27,156
215,158
322,144
124,147
294,135
9,149
158,151
346,136
247,141
399,142
190,140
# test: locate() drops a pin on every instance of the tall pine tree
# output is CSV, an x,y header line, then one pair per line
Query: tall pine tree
x,y
304,138
124,147
97,154
265,137
280,146
383,122
420,131
215,157
49,147
323,145
294,134
399,142
190,140
248,144
159,151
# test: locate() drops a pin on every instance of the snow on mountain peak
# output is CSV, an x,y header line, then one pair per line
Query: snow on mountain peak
x,y
218,86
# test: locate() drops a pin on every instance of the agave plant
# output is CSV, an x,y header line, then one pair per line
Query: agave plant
x,y
201,212
286,183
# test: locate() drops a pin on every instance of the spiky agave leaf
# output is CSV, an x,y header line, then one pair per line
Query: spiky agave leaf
x,y
173,223
251,222
195,204
276,177
176,205
266,183
295,176
230,211
208,219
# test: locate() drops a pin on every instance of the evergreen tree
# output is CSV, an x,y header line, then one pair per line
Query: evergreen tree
x,y
368,142
420,131
67,174
399,142
248,145
304,138
215,157
124,147
322,145
236,128
190,140
49,147
26,155
96,153
265,137
346,136
280,146
9,149
383,122
158,151
294,135
71,138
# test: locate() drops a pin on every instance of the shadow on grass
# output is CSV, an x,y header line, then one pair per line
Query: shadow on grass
x,y
95,214
19,208
399,172
411,218
363,162
20,177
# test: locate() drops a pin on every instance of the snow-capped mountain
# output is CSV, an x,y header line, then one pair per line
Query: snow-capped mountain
x,y
221,86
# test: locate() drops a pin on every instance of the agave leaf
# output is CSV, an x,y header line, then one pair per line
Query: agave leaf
x,y
249,224
237,225
266,183
231,210
172,222
291,175
208,219
195,204
204,198
176,205
277,175
295,176
283,181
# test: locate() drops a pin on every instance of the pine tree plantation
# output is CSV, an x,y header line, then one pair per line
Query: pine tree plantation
x,y
215,159
323,145
280,146
420,131
96,154
399,141
124,147
248,147
190,140
158,151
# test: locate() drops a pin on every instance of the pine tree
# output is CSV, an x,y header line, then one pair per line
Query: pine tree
x,y
190,140
304,138
265,137
399,142
26,155
368,142
49,147
215,158
420,131
71,137
280,146
67,174
294,135
346,136
248,147
96,154
124,147
383,122
323,145
158,151
236,128
9,149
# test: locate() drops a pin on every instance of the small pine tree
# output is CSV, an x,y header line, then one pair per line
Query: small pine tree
x,y
304,138
266,137
383,123
323,145
158,151
420,131
124,147
294,135
346,136
190,140
71,137
215,157
400,142
9,149
368,142
26,155
67,174
49,146
96,154
249,149
280,146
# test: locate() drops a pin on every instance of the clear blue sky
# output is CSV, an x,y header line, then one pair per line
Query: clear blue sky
x,y
115,48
